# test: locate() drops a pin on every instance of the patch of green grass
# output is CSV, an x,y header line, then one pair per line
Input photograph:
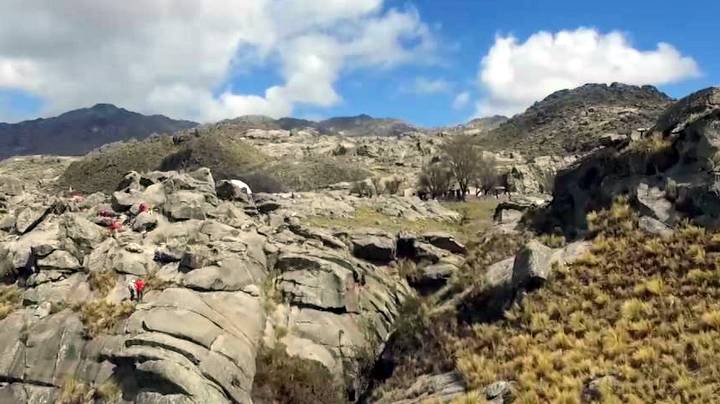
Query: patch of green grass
x,y
477,216
365,217
317,172
103,171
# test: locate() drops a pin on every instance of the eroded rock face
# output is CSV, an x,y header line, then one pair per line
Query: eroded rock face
x,y
671,174
221,283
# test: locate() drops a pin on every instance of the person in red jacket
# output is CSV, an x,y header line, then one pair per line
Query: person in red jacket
x,y
139,289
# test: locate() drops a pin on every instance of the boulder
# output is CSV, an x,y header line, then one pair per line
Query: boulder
x,y
11,186
532,264
431,278
29,217
374,248
184,205
230,191
654,226
203,342
61,260
441,388
652,201
145,221
446,241
499,392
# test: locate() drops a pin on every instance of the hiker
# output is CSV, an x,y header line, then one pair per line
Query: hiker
x,y
139,289
136,288
131,288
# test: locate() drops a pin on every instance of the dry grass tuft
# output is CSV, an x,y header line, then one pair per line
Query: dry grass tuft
x,y
103,282
75,392
101,316
285,379
641,307
10,299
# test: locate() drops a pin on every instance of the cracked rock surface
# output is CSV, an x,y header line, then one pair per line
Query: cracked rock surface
x,y
223,278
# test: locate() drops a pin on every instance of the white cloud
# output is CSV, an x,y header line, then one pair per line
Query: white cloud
x,y
175,56
424,86
515,74
461,100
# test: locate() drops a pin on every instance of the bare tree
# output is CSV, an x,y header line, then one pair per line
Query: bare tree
x,y
487,176
464,160
435,178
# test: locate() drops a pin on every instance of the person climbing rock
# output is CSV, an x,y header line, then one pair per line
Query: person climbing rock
x,y
139,289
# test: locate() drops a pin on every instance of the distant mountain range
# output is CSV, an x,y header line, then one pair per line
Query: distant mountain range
x,y
360,125
567,121
79,131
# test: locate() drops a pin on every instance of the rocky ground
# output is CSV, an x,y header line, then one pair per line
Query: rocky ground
x,y
605,291
227,276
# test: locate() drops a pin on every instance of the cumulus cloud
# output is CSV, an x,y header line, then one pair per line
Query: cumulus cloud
x,y
424,86
461,100
176,56
514,74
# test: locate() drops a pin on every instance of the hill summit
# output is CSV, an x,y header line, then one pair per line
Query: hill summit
x,y
574,120
79,131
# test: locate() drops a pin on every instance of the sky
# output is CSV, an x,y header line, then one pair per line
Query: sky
x,y
429,62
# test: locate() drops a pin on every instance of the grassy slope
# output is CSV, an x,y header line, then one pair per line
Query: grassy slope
x,y
477,216
225,155
640,307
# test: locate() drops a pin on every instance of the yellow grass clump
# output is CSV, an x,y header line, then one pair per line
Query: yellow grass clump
x,y
10,300
642,308
101,316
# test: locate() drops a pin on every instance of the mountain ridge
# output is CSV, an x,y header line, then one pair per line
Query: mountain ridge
x,y
573,120
81,130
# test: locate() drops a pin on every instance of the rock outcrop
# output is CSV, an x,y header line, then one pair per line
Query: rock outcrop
x,y
670,174
225,277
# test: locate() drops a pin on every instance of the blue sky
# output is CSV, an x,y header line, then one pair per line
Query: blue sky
x,y
417,60
471,26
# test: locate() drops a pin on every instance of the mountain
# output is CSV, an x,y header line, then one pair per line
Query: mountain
x,y
360,125
365,125
486,123
79,131
572,121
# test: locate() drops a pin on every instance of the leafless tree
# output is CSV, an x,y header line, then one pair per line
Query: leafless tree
x,y
464,160
435,178
487,175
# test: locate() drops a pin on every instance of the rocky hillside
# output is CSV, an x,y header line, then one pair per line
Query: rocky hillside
x,y
626,312
244,300
573,121
79,131
269,160
670,174
477,125
360,125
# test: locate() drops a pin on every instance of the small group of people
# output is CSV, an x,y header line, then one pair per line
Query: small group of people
x,y
136,288
115,221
